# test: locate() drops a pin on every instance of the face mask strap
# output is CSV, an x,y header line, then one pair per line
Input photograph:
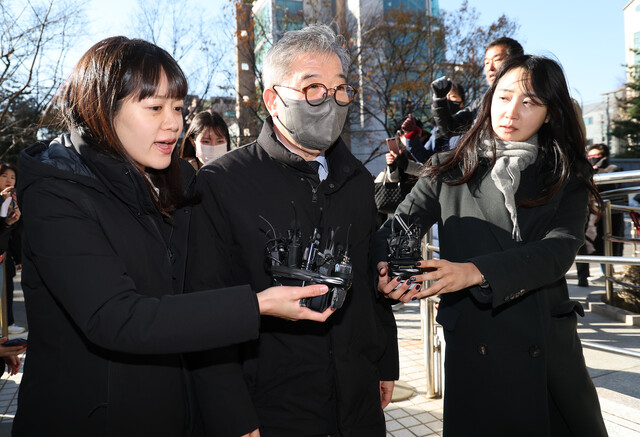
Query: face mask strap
x,y
281,99
284,126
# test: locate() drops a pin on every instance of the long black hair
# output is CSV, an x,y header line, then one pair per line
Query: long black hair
x,y
561,140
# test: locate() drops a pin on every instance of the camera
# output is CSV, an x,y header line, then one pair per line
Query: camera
x,y
404,249
287,259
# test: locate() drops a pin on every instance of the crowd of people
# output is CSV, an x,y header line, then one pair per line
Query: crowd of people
x,y
166,277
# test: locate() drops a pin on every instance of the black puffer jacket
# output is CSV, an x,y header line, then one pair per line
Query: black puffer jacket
x,y
102,277
304,378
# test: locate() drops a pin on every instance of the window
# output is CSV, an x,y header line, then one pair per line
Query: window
x,y
289,15
636,46
435,8
411,5
588,120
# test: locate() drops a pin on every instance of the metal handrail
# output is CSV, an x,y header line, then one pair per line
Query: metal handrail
x,y
625,260
432,347
612,349
617,177
608,260
619,192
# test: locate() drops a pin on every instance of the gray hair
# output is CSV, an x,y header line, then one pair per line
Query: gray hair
x,y
315,38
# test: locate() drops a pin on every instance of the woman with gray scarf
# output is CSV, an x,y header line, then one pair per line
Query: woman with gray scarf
x,y
512,201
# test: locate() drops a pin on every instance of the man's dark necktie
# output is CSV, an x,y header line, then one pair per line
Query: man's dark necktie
x,y
314,165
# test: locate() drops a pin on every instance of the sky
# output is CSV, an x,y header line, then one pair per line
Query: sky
x,y
585,36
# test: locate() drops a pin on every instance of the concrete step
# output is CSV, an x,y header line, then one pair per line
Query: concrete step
x,y
621,413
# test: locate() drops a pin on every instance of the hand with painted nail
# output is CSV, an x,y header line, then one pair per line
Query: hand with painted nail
x,y
448,276
396,288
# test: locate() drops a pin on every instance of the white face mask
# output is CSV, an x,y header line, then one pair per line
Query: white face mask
x,y
207,153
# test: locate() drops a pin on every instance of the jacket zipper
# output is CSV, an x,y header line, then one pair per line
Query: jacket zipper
x,y
314,191
149,218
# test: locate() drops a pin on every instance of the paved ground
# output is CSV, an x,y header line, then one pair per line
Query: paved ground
x,y
616,377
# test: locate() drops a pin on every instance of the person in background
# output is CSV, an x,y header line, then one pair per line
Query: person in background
x,y
206,139
414,136
106,214
10,253
450,123
512,201
453,102
598,157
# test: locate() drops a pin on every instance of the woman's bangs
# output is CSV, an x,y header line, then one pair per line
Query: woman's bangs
x,y
146,79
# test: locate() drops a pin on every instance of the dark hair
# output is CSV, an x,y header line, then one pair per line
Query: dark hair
x,y
111,71
513,47
603,148
459,89
201,122
561,140
5,167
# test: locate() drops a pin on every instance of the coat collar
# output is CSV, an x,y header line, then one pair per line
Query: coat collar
x,y
342,164
119,177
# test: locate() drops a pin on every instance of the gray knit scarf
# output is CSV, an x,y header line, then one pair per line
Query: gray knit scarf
x,y
512,157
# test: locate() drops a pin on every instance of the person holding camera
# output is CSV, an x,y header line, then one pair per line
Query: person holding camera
x,y
304,378
453,120
512,202
106,214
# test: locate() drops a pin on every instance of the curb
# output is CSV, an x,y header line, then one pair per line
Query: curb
x,y
594,299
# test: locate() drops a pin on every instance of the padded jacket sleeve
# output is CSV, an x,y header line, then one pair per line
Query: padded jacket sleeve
x,y
81,269
221,391
448,124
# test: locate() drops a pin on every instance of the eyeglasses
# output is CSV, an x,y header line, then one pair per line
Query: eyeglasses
x,y
316,93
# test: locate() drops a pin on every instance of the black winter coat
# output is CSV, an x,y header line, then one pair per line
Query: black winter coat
x,y
304,378
102,277
513,359
450,125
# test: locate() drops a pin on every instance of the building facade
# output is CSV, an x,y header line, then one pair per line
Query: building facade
x,y
367,130
598,118
631,13
271,18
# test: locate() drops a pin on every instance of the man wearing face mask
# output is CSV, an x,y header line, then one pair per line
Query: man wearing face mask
x,y
598,157
299,379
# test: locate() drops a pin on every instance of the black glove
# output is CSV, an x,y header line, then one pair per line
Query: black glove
x,y
441,87
402,161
